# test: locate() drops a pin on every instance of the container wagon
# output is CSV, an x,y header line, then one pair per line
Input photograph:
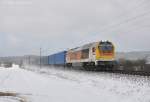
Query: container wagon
x,y
58,59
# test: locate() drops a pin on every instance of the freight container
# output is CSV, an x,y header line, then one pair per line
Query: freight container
x,y
57,59
51,59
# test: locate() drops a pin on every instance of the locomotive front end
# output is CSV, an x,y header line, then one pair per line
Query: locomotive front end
x,y
105,54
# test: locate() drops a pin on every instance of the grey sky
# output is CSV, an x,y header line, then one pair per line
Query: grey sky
x,y
55,25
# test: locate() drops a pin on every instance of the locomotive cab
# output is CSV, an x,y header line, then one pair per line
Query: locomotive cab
x,y
105,54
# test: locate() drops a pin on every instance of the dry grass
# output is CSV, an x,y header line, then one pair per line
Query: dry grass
x,y
7,94
15,95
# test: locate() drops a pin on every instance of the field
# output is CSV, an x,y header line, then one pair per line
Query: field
x,y
57,85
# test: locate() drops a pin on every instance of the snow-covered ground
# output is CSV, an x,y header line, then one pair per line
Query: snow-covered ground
x,y
57,85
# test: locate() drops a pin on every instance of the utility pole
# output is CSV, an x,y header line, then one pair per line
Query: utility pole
x,y
40,57
29,59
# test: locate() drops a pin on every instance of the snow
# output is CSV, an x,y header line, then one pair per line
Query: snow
x,y
8,99
59,85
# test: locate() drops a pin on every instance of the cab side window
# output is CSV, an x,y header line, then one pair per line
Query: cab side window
x,y
93,49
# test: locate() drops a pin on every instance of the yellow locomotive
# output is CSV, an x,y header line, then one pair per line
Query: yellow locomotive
x,y
94,55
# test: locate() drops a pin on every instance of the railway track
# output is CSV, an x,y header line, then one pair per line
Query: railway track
x,y
129,72
141,73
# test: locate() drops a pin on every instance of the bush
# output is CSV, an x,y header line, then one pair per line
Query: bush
x,y
132,63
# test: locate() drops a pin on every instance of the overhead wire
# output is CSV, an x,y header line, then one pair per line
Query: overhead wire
x,y
125,21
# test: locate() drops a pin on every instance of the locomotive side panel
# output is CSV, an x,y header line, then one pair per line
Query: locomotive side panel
x,y
81,55
78,55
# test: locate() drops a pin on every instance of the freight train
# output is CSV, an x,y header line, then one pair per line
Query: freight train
x,y
92,56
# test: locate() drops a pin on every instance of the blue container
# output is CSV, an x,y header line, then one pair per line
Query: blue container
x,y
51,59
57,59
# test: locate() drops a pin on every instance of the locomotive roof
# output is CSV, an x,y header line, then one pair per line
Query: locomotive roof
x,y
86,46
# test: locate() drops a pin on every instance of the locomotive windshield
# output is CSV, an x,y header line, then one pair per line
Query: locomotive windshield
x,y
106,46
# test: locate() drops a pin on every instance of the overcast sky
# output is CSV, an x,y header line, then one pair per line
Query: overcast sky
x,y
55,25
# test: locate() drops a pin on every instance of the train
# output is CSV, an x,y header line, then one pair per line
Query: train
x,y
92,56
